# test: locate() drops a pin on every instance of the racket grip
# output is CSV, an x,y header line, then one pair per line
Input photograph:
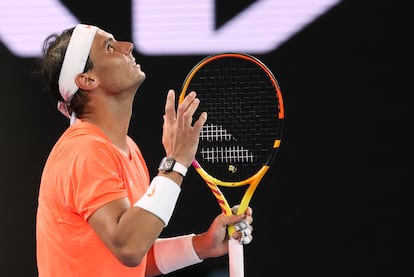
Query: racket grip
x,y
236,258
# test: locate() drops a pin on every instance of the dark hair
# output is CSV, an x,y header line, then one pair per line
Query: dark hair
x,y
49,66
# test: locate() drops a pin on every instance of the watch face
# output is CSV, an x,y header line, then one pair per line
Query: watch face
x,y
167,164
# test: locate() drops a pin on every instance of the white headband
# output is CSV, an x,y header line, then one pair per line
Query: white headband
x,y
74,63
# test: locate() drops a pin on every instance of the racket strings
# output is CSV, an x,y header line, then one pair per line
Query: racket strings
x,y
211,132
222,153
239,135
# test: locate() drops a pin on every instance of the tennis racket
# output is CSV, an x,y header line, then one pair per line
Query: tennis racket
x,y
243,131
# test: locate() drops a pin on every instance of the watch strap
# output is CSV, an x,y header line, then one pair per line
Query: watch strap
x,y
180,168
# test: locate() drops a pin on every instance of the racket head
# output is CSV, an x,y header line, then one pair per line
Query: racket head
x,y
244,125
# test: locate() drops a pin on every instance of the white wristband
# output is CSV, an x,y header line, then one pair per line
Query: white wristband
x,y
160,198
174,253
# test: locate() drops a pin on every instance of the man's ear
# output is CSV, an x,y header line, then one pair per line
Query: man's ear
x,y
86,82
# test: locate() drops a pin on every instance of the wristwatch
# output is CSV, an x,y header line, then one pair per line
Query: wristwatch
x,y
169,164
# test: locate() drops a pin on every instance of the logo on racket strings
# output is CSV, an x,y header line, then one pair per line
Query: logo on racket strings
x,y
233,153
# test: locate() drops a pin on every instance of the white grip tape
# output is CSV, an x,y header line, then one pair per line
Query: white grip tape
x,y
160,198
236,258
174,253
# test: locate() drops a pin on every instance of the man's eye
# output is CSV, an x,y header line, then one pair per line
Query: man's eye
x,y
110,48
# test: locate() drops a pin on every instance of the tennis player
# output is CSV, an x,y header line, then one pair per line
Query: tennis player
x,y
99,212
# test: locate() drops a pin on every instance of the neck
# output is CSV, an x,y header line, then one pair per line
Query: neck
x,y
113,118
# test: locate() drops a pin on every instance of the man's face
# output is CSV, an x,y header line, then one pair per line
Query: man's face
x,y
114,65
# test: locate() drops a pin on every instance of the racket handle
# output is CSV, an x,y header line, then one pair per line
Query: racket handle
x,y
236,258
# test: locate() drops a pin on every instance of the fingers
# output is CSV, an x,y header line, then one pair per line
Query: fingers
x,y
246,236
169,116
234,209
180,136
242,225
248,210
200,121
187,109
243,228
243,232
246,240
246,232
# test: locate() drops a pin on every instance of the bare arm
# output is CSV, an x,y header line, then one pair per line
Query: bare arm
x,y
129,231
194,249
